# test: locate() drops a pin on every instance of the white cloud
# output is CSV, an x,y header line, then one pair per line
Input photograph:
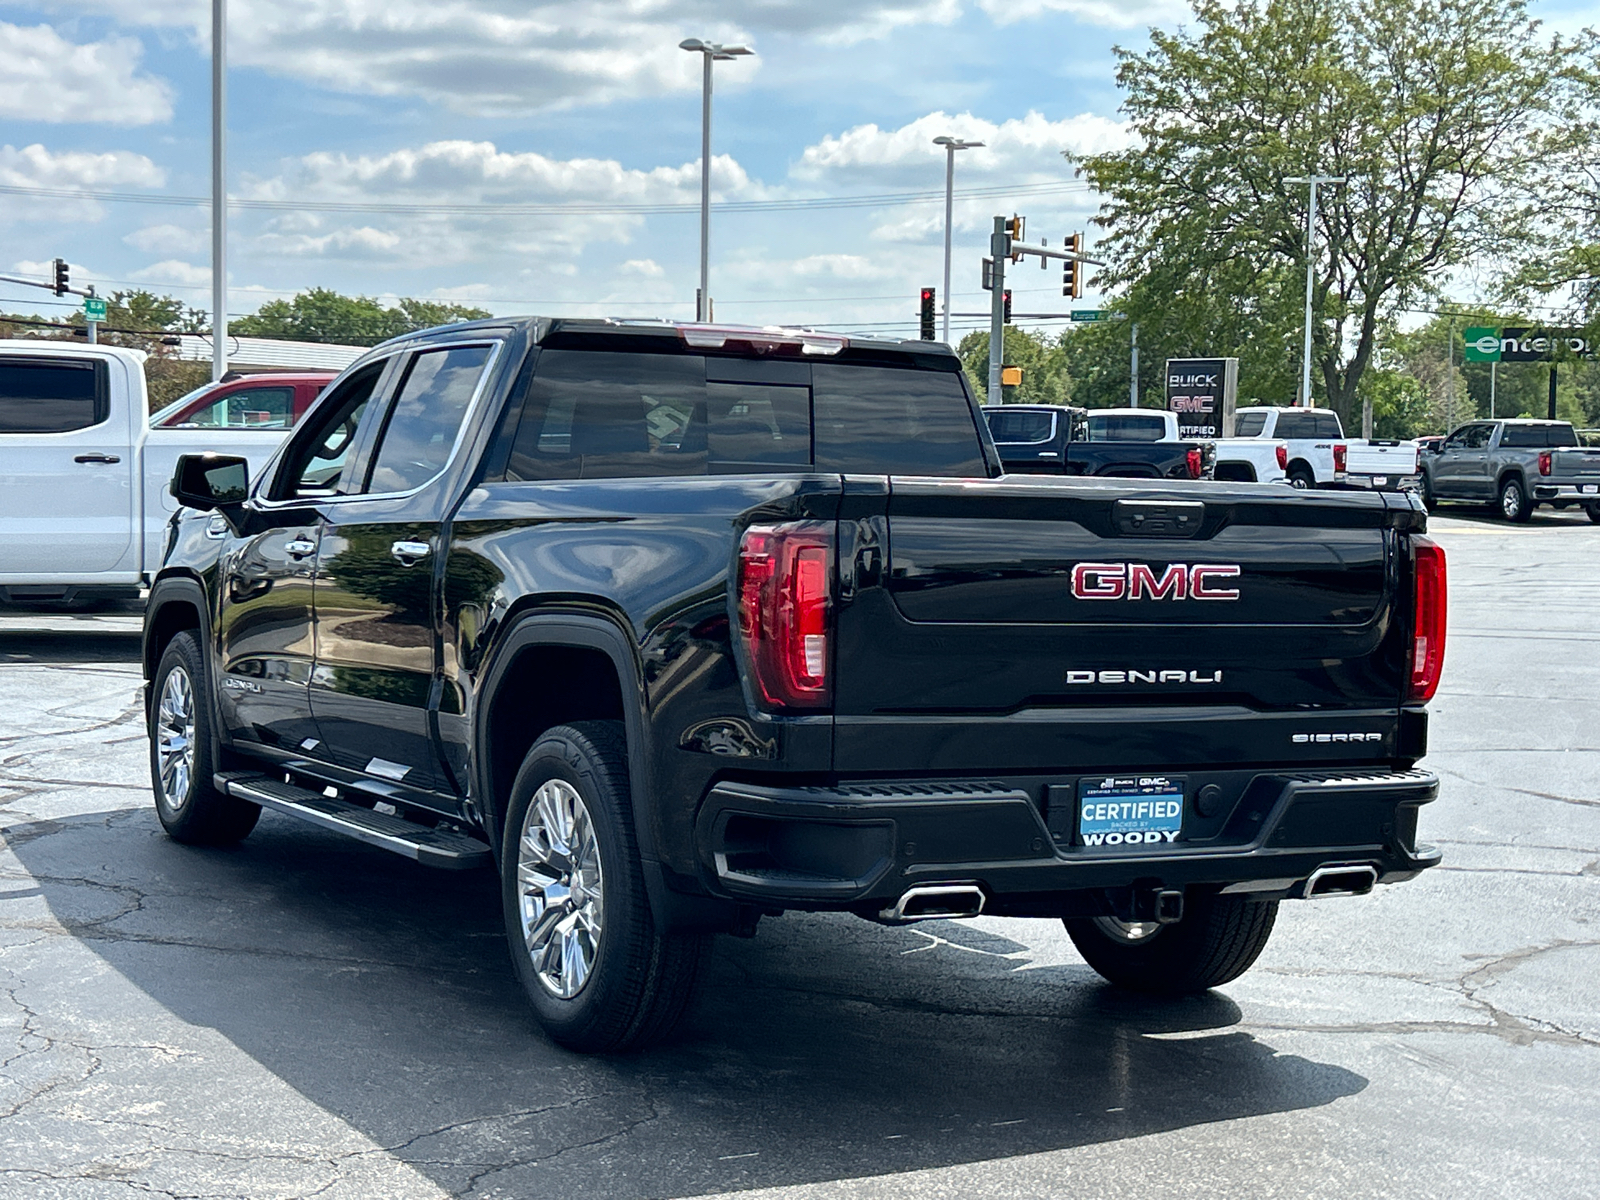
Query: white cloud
x,y
647,267
37,167
169,239
1114,14
173,272
48,78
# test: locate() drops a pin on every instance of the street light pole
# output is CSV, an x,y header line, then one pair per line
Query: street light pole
x,y
219,190
712,52
951,145
1311,225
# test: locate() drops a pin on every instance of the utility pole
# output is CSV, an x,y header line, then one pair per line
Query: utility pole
x,y
219,189
712,52
1133,368
999,251
1311,229
1450,393
951,145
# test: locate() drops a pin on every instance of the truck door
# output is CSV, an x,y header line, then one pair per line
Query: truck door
x,y
265,631
66,467
376,633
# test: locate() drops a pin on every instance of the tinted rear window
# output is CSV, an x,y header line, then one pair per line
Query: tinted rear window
x,y
1294,425
51,395
894,421
1326,425
1021,427
1125,427
1537,436
1250,424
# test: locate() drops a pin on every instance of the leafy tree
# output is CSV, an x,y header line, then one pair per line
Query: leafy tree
x,y
1045,379
323,315
1433,111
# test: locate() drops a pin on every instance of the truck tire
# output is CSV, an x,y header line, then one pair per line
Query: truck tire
x,y
1300,476
182,753
599,975
1217,941
1594,513
1515,505
1429,500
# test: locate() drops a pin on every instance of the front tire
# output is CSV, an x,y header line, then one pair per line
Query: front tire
x,y
1515,505
182,752
599,975
1217,941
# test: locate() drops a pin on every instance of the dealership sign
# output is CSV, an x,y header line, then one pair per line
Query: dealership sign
x,y
1524,344
1202,393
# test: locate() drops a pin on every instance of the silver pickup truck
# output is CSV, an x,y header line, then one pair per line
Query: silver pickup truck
x,y
1516,465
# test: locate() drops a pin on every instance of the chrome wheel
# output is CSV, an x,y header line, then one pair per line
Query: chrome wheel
x,y
1511,501
1127,931
175,738
560,893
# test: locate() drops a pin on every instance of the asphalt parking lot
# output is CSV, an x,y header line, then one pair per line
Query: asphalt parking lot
x,y
304,1016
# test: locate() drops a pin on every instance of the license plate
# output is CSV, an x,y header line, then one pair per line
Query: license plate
x,y
1380,480
1129,810
1591,487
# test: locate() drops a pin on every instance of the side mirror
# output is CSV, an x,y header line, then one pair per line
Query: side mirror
x,y
211,481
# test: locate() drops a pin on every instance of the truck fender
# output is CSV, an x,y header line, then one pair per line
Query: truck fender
x,y
187,591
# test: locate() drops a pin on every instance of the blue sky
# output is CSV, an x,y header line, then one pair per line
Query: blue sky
x,y
409,103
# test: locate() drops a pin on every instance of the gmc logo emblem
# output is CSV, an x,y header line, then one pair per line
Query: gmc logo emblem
x,y
1138,581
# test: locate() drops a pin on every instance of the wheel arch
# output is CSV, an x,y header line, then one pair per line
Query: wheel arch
x,y
176,603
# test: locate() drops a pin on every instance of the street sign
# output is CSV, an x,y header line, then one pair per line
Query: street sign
x,y
1522,344
1088,314
94,308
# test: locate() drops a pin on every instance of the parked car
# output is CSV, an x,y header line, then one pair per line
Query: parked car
x,y
84,499
265,401
680,625
1122,443
1319,454
1516,465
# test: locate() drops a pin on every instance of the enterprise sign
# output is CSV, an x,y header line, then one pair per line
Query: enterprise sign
x,y
1524,344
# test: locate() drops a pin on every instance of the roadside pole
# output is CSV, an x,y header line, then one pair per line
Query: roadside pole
x,y
219,189
999,251
1133,368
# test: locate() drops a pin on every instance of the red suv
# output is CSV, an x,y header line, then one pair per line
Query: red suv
x,y
274,401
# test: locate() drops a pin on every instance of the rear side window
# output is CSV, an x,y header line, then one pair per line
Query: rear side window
x,y
429,407
1327,425
595,414
1125,427
1561,435
1020,428
1250,424
254,408
51,395
1294,425
894,421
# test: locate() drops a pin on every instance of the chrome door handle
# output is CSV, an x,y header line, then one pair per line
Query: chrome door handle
x,y
96,458
299,548
407,553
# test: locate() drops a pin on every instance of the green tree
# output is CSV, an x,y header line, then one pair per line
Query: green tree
x,y
323,315
1045,379
1432,111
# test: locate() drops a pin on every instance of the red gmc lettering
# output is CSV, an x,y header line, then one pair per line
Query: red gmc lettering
x,y
1198,574
1142,581
1099,581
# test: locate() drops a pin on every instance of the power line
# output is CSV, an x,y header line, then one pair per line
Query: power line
x,y
802,203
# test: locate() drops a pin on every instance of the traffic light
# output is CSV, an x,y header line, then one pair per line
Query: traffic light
x,y
1006,301
62,284
1072,271
1014,232
927,314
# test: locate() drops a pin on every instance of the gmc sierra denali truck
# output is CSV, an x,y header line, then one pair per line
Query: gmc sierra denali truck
x,y
1517,465
681,625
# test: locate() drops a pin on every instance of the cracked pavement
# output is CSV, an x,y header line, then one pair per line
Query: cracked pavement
x,y
305,1016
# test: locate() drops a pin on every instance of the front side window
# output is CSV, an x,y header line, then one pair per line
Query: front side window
x,y
426,417
1250,424
314,465
1477,436
253,408
1021,428
1125,427
55,395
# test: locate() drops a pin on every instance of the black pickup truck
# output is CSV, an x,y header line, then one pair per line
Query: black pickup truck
x,y
1118,443
681,625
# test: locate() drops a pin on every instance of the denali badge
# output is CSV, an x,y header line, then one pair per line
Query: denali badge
x,y
1139,581
1150,676
1301,738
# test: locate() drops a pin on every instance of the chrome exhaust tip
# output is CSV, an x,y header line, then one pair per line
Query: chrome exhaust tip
x,y
935,902
1347,879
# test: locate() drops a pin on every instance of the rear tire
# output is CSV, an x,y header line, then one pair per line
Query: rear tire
x,y
1515,505
182,754
1429,500
1594,513
599,975
1217,941
1300,476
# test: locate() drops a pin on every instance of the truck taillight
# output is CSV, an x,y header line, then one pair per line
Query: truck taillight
x,y
786,612
1194,462
1283,457
1427,632
1340,453
1544,462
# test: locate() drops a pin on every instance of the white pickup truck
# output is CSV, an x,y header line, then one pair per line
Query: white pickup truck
x,y
84,501
1319,455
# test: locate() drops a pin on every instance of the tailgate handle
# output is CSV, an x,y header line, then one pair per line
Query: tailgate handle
x,y
1158,518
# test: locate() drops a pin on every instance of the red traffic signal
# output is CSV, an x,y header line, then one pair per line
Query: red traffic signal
x,y
926,314
1006,301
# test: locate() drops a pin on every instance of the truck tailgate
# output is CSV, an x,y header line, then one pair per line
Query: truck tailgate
x,y
1575,465
1008,620
1381,458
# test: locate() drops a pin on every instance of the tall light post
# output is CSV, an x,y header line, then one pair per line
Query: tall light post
x,y
1311,227
711,52
951,145
219,189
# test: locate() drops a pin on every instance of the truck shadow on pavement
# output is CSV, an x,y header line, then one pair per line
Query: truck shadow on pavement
x,y
825,1048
